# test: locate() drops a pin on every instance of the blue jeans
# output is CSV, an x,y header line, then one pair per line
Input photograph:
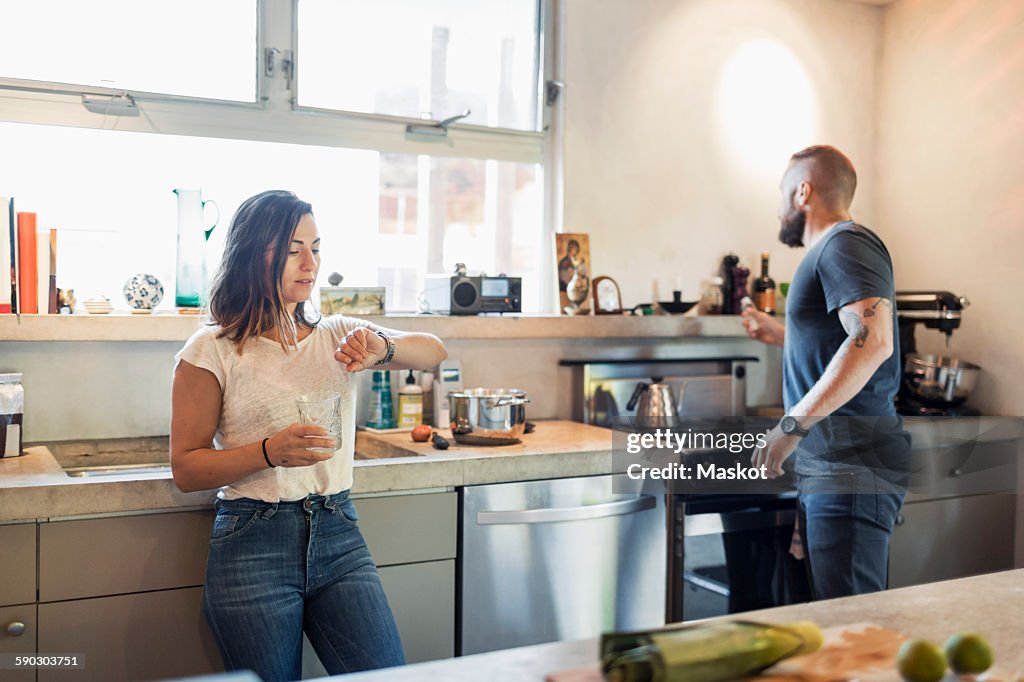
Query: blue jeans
x,y
847,519
278,570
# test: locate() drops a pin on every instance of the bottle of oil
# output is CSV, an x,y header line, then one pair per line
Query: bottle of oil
x,y
704,653
764,289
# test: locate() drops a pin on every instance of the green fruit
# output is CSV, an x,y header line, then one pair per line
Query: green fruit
x,y
968,652
921,661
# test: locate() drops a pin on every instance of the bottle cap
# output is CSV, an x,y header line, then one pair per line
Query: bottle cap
x,y
410,379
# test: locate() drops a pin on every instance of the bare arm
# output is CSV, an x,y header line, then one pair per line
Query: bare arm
x,y
361,348
868,324
195,413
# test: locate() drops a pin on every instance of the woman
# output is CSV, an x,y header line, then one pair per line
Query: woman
x,y
285,554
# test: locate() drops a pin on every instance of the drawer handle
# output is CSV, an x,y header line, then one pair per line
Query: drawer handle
x,y
590,511
15,629
900,519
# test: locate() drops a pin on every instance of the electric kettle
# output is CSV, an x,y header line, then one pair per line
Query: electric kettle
x,y
655,404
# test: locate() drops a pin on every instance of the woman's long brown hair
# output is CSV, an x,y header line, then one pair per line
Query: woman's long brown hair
x,y
245,295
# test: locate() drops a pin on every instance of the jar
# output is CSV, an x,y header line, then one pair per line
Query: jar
x,y
712,297
12,414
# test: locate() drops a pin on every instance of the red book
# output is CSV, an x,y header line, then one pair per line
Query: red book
x,y
28,276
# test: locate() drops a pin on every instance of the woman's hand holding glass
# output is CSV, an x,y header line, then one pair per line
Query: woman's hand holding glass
x,y
360,349
289,447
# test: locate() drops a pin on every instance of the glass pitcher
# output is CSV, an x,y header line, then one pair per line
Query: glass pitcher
x,y
190,279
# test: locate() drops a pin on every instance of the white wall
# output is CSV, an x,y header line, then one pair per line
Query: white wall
x,y
665,169
951,170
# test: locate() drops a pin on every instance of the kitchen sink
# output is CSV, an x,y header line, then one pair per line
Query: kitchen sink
x,y
119,470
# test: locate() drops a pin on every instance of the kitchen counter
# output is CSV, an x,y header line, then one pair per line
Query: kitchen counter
x,y
35,485
989,604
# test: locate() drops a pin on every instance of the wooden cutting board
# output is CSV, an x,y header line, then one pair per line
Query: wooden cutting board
x,y
863,651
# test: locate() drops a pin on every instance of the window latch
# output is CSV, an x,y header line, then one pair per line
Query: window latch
x,y
438,129
552,89
269,59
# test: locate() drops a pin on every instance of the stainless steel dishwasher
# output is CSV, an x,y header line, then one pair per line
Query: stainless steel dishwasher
x,y
562,559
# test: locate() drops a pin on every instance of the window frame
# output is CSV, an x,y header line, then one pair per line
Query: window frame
x,y
276,117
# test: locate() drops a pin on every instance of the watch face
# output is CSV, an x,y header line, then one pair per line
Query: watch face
x,y
788,424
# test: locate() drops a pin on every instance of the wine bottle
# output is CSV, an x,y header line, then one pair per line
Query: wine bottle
x,y
764,289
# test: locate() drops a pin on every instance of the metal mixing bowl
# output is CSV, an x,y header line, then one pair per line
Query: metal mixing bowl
x,y
939,380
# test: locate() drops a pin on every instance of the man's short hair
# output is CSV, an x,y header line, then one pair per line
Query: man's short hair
x,y
831,174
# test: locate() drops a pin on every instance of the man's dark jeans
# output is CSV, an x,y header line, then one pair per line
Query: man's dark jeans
x,y
847,519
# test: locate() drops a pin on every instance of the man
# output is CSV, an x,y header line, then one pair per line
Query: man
x,y
841,372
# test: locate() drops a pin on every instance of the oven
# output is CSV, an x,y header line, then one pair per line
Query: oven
x,y
724,553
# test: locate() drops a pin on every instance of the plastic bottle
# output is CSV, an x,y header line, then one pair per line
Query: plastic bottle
x,y
410,403
427,384
704,653
382,415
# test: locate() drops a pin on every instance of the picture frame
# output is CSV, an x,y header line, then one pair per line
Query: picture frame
x,y
607,296
352,300
572,264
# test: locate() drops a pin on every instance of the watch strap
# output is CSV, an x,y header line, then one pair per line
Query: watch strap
x,y
389,355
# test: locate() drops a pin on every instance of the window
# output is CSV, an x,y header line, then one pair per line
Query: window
x,y
392,208
422,59
109,194
193,48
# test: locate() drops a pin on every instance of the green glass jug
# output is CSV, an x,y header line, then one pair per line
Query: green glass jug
x,y
190,278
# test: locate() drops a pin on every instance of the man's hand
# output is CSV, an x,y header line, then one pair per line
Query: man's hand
x,y
763,327
360,350
777,449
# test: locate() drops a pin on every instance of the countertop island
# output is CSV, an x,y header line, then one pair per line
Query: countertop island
x,y
990,604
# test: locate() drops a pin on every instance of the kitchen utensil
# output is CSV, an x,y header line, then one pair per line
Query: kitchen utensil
x,y
944,381
322,409
486,416
143,292
655,404
190,280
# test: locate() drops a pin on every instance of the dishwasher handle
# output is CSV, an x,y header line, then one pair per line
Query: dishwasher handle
x,y
582,513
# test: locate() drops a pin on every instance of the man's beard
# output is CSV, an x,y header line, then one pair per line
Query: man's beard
x,y
791,232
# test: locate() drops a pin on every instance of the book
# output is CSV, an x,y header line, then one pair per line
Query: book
x,y
52,289
7,252
28,284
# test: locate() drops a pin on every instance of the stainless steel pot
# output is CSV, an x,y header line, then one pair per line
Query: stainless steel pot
x,y
488,416
939,380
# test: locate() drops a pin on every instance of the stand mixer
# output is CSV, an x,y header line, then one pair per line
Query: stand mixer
x,y
932,385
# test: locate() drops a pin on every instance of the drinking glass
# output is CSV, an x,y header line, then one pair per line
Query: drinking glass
x,y
322,409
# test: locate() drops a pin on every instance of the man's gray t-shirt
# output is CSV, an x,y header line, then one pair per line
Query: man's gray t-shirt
x,y
848,264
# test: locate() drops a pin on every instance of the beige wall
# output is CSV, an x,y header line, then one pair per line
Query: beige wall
x,y
951,164
664,169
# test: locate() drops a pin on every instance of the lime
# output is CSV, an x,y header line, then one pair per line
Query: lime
x,y
968,652
921,661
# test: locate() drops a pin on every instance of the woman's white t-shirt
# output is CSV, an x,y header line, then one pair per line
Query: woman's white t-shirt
x,y
258,391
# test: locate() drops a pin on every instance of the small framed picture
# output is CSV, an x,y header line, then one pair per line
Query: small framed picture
x,y
607,299
352,300
572,256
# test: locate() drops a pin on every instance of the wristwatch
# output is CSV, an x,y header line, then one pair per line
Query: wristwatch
x,y
791,427
390,354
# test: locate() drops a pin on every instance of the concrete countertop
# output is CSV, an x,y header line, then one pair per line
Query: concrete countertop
x,y
988,604
35,486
